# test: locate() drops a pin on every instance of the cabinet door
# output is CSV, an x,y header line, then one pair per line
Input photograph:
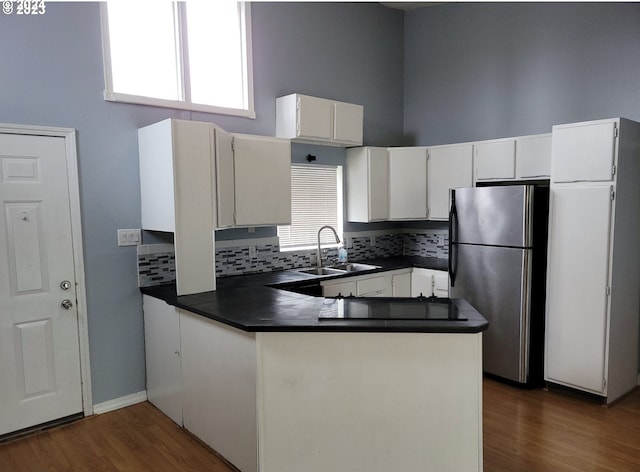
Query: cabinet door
x,y
225,179
578,275
440,284
533,157
449,167
348,122
378,188
378,286
583,152
421,282
162,351
345,289
401,284
495,160
314,118
407,183
262,168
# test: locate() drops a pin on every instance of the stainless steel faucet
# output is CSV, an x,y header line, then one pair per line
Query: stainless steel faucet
x,y
319,249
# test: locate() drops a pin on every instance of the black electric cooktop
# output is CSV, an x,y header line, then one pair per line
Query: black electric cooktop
x,y
390,308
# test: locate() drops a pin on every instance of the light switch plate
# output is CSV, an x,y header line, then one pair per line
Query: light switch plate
x,y
129,237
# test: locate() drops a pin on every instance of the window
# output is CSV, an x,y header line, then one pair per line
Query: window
x,y
188,55
316,200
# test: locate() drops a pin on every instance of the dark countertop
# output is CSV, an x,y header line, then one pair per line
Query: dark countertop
x,y
265,302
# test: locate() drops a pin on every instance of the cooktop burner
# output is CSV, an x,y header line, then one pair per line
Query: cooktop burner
x,y
387,308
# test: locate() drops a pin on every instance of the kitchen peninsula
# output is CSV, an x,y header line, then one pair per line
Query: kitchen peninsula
x,y
252,371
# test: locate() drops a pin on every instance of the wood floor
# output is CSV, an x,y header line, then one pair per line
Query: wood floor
x,y
524,431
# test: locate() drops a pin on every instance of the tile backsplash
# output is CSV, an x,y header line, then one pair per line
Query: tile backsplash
x,y
156,262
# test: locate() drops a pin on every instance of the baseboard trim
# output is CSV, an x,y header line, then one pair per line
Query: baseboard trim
x,y
116,403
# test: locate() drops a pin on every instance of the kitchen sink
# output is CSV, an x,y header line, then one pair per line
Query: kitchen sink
x,y
322,271
353,267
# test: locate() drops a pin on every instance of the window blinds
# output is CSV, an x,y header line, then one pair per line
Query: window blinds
x,y
315,202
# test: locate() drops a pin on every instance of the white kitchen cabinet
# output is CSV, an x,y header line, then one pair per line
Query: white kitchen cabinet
x,y
374,286
401,284
584,152
593,275
408,183
448,167
392,283
429,282
494,160
177,194
319,121
335,289
219,369
262,180
162,353
533,157
367,171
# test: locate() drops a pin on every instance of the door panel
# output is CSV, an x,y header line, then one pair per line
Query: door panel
x,y
39,345
583,152
449,167
314,118
497,216
492,280
407,183
578,274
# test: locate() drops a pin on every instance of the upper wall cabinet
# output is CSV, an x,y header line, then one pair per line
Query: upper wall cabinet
x,y
262,180
495,160
176,193
408,183
522,158
533,157
449,167
367,184
319,121
584,152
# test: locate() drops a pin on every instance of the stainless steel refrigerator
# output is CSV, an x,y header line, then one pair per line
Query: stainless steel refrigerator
x,y
497,262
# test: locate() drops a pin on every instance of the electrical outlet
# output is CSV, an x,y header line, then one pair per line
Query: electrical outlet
x,y
129,237
441,240
252,252
372,241
349,242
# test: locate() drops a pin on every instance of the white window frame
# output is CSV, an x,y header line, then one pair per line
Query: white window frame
x,y
112,96
340,212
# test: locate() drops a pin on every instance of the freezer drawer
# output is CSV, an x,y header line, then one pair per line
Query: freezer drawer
x,y
495,281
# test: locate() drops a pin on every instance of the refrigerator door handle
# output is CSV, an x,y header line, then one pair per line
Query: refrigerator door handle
x,y
453,234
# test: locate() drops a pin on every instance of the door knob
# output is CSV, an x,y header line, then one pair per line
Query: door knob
x,y
65,285
66,304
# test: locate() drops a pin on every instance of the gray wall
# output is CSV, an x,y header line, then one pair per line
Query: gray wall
x,y
487,70
52,75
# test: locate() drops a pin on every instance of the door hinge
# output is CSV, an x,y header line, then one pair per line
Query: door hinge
x,y
613,169
298,103
615,132
428,212
428,155
613,194
608,290
233,144
604,385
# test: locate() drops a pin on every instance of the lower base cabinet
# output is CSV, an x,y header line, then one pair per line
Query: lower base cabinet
x,y
162,351
219,368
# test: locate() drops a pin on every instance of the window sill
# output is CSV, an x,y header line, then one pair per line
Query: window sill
x,y
177,104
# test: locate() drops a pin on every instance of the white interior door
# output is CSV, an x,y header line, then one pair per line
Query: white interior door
x,y
40,377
